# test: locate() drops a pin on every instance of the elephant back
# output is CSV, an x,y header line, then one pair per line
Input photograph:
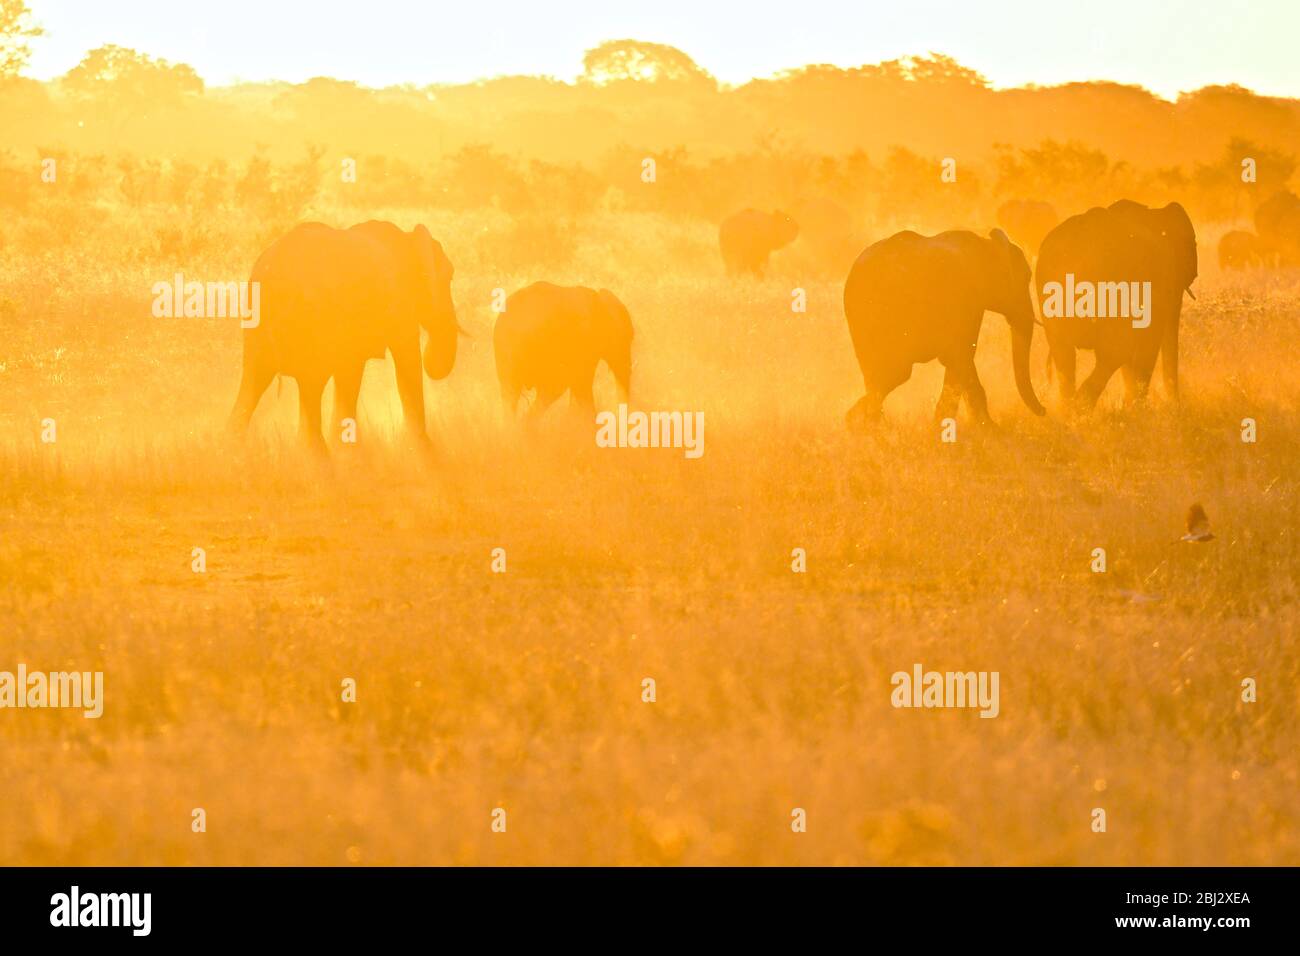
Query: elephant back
x,y
910,264
1078,244
322,266
325,293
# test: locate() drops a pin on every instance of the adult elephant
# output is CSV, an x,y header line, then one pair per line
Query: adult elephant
x,y
1027,222
1114,252
551,338
749,237
1239,249
912,298
1277,222
332,299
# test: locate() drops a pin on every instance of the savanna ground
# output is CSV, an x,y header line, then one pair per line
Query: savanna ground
x,y
523,690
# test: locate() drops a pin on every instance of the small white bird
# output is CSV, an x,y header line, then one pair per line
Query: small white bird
x,y
1198,526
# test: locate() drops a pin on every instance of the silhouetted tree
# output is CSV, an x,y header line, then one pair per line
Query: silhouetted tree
x,y
616,60
16,28
124,78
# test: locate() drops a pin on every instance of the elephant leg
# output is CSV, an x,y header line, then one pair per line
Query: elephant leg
x,y
310,391
1137,381
880,380
1133,390
347,388
949,396
863,412
1062,359
545,398
410,388
1095,383
970,383
510,398
1137,373
1169,359
582,397
1135,385
254,381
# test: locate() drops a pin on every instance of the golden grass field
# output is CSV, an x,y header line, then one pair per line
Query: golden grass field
x,y
523,690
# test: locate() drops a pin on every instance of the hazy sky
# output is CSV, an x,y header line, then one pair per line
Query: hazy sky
x,y
1165,45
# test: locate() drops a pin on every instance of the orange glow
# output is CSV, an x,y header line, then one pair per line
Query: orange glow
x,y
354,433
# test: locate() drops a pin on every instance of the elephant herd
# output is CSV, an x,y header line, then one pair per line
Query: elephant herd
x,y
332,299
1121,272
1275,241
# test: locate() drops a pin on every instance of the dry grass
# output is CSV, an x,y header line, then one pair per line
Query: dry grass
x,y
523,690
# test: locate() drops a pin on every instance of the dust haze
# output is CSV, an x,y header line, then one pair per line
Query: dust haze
x,y
499,596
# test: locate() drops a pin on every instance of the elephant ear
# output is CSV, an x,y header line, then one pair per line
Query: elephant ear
x,y
429,252
1177,226
1012,258
615,313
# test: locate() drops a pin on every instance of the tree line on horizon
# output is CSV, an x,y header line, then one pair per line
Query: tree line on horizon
x,y
868,141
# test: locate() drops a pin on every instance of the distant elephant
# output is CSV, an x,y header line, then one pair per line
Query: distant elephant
x,y
1242,250
1113,252
912,298
551,338
1027,222
748,237
331,299
1277,223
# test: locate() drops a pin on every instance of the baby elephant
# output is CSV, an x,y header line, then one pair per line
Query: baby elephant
x,y
551,338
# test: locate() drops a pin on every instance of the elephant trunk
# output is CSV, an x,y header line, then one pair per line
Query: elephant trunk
x,y
621,366
1021,339
440,349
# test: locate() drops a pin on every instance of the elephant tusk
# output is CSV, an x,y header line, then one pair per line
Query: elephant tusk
x,y
1189,291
